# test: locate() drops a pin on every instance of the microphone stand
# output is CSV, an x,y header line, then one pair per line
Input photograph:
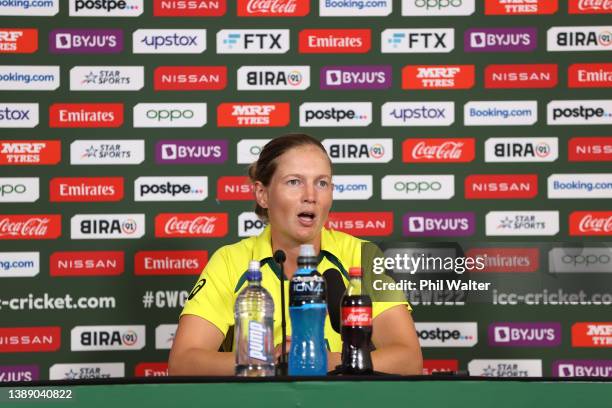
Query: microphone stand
x,y
281,370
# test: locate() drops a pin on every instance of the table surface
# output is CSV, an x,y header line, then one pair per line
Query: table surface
x,y
319,393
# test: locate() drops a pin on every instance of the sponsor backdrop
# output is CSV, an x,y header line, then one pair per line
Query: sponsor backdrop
x,y
127,127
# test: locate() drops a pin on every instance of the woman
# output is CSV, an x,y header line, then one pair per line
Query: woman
x,y
293,191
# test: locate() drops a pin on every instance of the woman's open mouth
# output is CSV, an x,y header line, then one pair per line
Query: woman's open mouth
x,y
306,218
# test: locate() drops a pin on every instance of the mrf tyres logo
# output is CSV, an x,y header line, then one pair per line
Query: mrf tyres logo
x,y
106,338
580,112
335,114
107,226
442,334
359,151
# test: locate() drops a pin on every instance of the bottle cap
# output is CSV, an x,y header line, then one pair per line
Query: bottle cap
x,y
307,250
355,271
253,273
253,265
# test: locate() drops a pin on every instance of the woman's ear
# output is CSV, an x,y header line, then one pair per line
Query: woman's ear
x,y
261,194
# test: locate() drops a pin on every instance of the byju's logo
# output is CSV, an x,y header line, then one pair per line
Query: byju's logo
x,y
587,38
86,371
522,223
582,368
355,151
341,8
191,151
438,224
521,149
100,152
421,187
274,78
170,188
356,77
18,115
506,368
500,113
107,226
335,114
101,338
443,334
105,8
106,78
154,41
29,77
585,112
18,373
252,41
170,115
437,7
524,334
418,113
417,40
86,41
500,39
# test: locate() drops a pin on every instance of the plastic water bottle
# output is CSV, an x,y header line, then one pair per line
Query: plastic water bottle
x,y
307,308
254,328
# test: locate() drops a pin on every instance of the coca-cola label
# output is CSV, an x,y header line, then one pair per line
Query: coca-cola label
x,y
191,225
356,316
421,150
30,226
272,8
594,223
589,6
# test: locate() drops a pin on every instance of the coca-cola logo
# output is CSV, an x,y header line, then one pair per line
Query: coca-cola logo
x,y
591,223
30,226
191,225
272,8
356,316
594,5
438,150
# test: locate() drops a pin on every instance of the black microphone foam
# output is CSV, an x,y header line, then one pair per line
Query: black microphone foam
x,y
335,290
279,256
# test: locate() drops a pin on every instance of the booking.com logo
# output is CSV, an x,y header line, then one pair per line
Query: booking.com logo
x,y
360,5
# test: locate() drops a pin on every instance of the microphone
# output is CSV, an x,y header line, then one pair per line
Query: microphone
x,y
335,290
280,258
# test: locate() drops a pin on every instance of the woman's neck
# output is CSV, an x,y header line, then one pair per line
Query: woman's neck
x,y
292,251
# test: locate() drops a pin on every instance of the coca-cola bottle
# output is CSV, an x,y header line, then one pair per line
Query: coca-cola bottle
x,y
356,327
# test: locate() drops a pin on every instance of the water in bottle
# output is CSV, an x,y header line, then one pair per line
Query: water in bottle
x,y
254,328
307,309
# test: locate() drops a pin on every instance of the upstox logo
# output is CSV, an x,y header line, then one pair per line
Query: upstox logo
x,y
103,338
18,115
156,41
105,8
418,113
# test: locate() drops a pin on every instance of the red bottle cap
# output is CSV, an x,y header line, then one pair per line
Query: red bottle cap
x,y
355,271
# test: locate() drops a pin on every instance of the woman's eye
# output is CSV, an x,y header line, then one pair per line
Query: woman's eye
x,y
323,183
293,182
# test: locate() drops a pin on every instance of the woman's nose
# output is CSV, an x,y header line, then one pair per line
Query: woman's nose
x,y
309,193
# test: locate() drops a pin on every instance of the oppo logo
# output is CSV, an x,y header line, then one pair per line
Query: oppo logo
x,y
417,186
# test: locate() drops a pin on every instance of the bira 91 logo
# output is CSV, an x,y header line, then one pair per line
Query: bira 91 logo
x,y
590,149
517,39
151,370
520,7
335,41
438,224
501,186
521,149
590,75
87,263
189,8
250,114
169,262
18,40
30,152
35,226
524,334
589,7
102,338
105,8
585,38
191,225
362,224
438,150
85,41
86,115
590,223
234,188
356,151
83,189
506,260
272,8
438,77
592,334
190,78
440,366
107,226
273,78
191,151
515,76
30,339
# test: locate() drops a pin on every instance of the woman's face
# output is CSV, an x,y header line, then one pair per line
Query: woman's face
x,y
299,195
